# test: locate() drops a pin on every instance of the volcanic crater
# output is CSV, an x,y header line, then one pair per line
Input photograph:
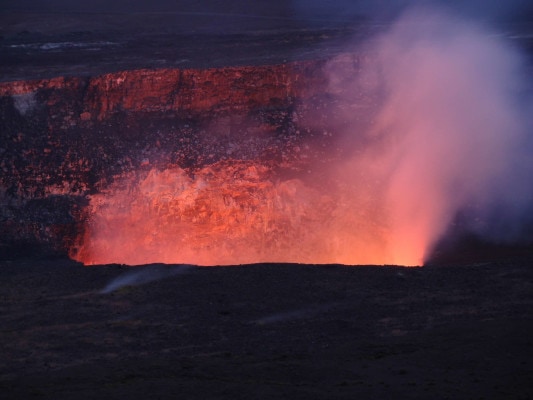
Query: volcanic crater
x,y
143,147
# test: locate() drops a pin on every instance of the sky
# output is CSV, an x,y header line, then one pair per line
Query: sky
x,y
335,9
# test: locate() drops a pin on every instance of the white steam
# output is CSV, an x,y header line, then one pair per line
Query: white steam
x,y
25,103
142,276
451,133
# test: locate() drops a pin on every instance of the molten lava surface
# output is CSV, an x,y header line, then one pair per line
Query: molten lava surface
x,y
230,213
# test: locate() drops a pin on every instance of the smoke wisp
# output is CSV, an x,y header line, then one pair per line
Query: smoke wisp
x,y
144,276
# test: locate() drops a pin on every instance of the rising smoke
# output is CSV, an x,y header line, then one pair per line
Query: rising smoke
x,y
451,135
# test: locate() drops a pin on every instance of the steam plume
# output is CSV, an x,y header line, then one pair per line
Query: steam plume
x,y
451,132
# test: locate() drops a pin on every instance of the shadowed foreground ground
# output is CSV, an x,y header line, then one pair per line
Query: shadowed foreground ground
x,y
267,331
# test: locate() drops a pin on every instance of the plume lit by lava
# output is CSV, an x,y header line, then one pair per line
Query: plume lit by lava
x,y
445,134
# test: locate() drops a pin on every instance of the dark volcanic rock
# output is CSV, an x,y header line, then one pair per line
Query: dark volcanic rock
x,y
266,331
34,46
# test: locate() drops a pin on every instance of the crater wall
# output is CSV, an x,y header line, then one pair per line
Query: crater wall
x,y
66,138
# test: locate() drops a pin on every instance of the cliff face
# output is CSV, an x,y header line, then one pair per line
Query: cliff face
x,y
186,92
69,137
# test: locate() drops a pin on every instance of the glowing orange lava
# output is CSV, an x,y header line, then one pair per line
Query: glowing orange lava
x,y
230,213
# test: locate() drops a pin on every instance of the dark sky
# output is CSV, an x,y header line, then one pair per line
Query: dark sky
x,y
302,12
316,8
128,6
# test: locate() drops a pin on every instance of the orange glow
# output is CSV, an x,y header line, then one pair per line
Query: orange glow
x,y
231,213
431,127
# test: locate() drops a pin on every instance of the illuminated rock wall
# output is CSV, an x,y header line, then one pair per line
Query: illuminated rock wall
x,y
186,92
69,137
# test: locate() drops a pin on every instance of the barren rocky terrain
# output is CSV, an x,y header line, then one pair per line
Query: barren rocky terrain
x,y
447,331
